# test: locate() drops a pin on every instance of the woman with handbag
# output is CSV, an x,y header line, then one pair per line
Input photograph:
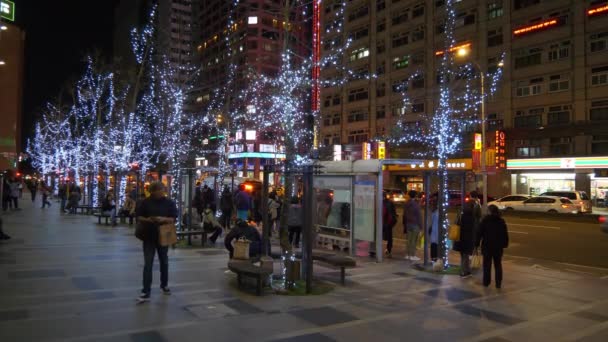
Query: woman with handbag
x,y
493,237
466,244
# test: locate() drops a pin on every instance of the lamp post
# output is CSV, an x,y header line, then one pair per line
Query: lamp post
x,y
463,52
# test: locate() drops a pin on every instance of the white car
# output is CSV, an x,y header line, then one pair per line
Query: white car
x,y
507,202
548,204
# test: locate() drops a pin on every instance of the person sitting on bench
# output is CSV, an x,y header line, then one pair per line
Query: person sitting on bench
x,y
128,209
244,230
210,224
108,207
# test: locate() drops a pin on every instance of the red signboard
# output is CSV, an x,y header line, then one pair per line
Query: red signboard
x,y
535,27
598,10
500,153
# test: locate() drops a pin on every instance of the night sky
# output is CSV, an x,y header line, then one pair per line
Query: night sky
x,y
59,33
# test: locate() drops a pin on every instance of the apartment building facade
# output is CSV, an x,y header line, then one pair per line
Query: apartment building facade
x,y
552,102
253,44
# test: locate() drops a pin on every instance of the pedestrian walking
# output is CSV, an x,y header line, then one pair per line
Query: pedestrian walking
x,y
20,186
294,222
466,244
63,196
151,213
412,223
108,207
45,194
493,237
273,211
210,225
389,219
33,186
226,207
243,203
243,230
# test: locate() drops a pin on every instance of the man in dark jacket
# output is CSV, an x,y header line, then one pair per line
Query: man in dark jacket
x,y
226,207
244,230
389,219
494,237
151,213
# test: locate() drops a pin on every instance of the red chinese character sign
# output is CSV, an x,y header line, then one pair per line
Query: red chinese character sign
x,y
500,155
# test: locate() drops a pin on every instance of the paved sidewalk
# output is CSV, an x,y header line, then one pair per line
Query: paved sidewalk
x,y
65,278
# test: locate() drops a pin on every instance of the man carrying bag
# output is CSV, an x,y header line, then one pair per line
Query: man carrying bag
x,y
155,222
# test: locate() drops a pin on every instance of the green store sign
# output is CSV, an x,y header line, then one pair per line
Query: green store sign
x,y
7,10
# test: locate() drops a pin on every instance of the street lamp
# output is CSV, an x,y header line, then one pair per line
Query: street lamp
x,y
463,52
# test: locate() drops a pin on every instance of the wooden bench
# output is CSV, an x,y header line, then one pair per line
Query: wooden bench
x,y
330,259
100,216
246,268
341,262
193,232
87,209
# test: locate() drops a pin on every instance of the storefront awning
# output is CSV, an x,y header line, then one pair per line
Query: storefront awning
x,y
558,163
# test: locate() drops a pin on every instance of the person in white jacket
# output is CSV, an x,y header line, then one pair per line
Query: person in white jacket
x,y
210,224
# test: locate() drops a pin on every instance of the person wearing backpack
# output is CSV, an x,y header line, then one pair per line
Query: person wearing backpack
x,y
243,203
389,219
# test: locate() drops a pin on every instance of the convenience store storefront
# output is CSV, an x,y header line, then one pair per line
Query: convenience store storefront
x,y
535,176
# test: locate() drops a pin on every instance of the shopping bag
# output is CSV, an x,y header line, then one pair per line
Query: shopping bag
x,y
454,232
167,235
476,260
241,249
421,242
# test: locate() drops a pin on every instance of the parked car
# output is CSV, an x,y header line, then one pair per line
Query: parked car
x,y
604,223
395,195
577,197
507,202
548,204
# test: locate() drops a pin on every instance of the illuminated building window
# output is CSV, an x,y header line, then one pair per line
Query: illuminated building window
x,y
359,54
495,9
401,62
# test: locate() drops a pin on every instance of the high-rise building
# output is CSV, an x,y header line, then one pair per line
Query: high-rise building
x,y
252,44
551,104
173,31
12,41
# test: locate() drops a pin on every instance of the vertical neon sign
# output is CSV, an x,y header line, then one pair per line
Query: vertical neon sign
x,y
316,57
